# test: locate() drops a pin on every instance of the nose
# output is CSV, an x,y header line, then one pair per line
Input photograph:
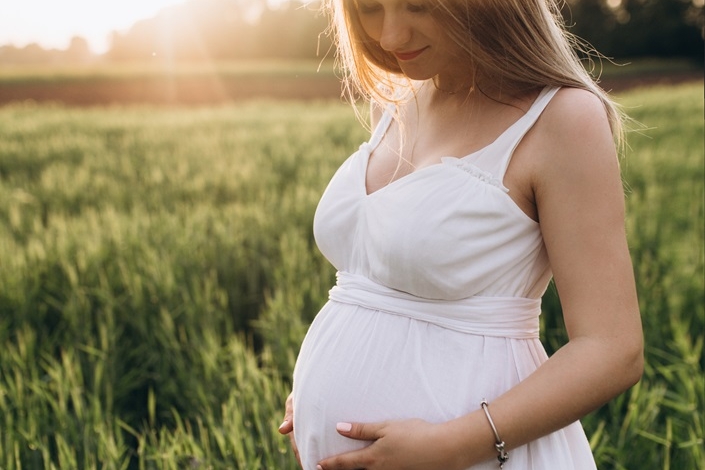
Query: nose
x,y
395,33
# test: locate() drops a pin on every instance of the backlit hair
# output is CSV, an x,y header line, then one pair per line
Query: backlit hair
x,y
517,45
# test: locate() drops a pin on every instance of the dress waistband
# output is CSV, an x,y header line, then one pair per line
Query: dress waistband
x,y
508,317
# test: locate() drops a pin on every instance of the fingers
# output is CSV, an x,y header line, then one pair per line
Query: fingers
x,y
288,424
350,461
363,458
356,459
360,431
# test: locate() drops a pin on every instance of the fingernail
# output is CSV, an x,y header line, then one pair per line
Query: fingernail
x,y
283,424
318,467
343,427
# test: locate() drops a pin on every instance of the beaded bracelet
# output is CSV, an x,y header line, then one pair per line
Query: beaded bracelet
x,y
502,456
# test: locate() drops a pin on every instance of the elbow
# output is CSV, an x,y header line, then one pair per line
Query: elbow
x,y
638,365
628,347
633,363
626,362
635,371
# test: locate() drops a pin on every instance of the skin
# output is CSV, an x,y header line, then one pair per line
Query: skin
x,y
403,27
563,174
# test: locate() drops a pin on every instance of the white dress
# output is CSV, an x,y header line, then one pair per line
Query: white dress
x,y
436,305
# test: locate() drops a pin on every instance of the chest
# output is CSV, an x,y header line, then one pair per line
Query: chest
x,y
416,233
415,144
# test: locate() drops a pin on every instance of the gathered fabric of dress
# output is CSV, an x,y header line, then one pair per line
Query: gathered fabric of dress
x,y
436,306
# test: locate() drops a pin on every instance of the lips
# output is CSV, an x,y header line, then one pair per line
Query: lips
x,y
409,55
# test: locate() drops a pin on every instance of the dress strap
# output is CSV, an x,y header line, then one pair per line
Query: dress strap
x,y
382,126
509,141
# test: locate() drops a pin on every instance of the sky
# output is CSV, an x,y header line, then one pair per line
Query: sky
x,y
52,23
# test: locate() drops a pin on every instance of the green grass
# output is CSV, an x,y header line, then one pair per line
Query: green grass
x,y
158,273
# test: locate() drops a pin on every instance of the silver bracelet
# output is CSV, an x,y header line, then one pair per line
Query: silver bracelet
x,y
499,443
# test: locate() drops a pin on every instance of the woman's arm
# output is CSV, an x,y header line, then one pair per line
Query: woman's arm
x,y
578,193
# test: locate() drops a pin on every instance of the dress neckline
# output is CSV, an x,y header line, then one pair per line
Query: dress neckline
x,y
385,122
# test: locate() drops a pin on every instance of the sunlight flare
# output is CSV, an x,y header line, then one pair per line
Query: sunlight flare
x,y
52,24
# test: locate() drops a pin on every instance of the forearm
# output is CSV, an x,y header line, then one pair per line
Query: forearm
x,y
579,378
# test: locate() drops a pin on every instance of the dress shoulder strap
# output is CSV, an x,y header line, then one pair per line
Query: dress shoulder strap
x,y
509,141
382,126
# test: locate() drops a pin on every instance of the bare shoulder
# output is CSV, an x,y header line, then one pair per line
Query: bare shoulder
x,y
574,136
573,116
569,146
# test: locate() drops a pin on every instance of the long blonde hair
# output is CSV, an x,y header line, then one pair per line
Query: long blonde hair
x,y
518,44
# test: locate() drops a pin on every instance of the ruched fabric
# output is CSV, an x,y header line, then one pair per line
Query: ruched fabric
x,y
436,304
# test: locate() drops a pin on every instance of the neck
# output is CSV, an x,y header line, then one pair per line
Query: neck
x,y
453,86
442,96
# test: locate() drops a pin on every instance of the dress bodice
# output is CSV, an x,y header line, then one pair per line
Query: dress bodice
x,y
449,231
436,305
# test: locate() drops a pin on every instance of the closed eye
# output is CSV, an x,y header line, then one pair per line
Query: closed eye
x,y
366,8
416,7
369,7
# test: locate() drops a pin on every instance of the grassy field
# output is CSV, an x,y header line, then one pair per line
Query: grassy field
x,y
208,83
158,273
161,82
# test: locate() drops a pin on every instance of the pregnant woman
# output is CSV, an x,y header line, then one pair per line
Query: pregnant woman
x,y
491,169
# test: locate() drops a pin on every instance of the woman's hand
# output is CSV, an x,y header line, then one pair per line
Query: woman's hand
x,y
409,444
287,427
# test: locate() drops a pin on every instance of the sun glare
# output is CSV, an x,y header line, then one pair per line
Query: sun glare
x,y
52,23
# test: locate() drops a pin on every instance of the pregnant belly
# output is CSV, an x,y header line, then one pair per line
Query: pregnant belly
x,y
361,365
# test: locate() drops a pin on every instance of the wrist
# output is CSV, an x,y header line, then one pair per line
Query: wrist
x,y
499,445
470,439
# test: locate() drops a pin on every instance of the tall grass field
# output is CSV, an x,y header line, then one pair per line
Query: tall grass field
x,y
158,272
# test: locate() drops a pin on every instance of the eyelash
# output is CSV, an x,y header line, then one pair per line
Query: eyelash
x,y
368,9
375,7
416,8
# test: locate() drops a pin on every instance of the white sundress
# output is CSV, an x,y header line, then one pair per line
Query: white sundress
x,y
436,305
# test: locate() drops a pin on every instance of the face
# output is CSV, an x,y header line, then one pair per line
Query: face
x,y
409,31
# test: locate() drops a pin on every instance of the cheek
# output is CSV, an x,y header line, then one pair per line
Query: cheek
x,y
448,44
372,27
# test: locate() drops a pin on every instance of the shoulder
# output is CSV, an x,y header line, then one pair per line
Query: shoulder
x,y
576,169
574,114
574,137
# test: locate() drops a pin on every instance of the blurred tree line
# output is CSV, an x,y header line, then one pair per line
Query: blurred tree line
x,y
78,52
225,29
222,29
639,28
247,29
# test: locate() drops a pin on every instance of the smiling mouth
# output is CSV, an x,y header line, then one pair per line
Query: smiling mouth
x,y
408,55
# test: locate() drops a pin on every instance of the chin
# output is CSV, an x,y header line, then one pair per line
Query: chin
x,y
416,75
